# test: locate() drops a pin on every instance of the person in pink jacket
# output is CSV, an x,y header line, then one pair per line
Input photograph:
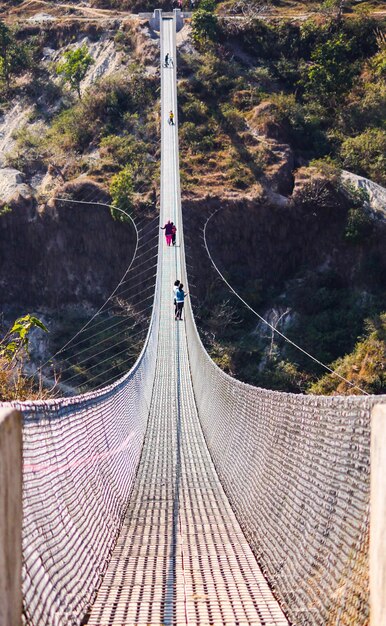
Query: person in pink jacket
x,y
168,228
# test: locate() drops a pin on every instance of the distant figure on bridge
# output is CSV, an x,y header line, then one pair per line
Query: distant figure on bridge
x,y
180,297
175,289
168,228
171,118
174,230
167,57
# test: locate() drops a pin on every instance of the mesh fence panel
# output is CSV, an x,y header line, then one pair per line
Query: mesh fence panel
x,y
296,470
80,459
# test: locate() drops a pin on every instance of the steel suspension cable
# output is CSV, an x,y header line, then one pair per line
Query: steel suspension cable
x,y
329,369
109,347
111,325
116,288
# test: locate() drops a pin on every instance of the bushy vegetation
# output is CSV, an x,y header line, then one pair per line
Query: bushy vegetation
x,y
364,367
325,278
14,352
204,23
116,116
318,86
326,83
217,147
15,57
73,68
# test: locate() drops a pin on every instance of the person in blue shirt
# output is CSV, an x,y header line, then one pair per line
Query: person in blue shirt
x,y
175,289
180,297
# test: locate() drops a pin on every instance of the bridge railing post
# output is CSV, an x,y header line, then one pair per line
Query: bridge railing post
x,y
10,517
378,517
155,20
179,19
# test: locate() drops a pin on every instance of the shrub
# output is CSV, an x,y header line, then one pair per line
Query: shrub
x,y
241,176
198,138
124,150
364,367
104,110
287,109
13,353
74,66
5,209
15,56
29,149
204,23
331,73
121,191
359,225
329,169
72,129
365,154
233,117
123,40
194,111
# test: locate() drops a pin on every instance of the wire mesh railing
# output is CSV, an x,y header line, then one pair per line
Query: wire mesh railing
x,y
80,459
296,470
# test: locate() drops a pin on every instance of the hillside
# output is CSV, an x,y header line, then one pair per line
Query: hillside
x,y
270,110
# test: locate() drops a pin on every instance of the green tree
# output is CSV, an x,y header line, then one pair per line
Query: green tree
x,y
204,23
74,67
331,72
334,9
14,55
121,191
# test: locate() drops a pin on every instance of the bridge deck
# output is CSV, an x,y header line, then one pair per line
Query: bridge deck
x,y
181,557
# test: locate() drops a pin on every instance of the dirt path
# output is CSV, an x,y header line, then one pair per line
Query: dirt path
x,y
31,7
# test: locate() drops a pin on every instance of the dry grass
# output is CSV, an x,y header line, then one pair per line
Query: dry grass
x,y
14,385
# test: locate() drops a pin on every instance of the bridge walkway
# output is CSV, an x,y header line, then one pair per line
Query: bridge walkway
x,y
181,557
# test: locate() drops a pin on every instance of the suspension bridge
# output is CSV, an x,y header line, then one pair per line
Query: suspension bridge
x,y
178,495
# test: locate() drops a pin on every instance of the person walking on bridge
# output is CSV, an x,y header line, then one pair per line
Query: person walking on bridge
x,y
174,230
175,289
171,118
180,297
167,57
168,228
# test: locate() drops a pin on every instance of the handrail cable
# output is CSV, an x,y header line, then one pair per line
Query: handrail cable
x,y
87,369
333,372
106,350
137,312
104,372
118,285
109,327
110,347
110,308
